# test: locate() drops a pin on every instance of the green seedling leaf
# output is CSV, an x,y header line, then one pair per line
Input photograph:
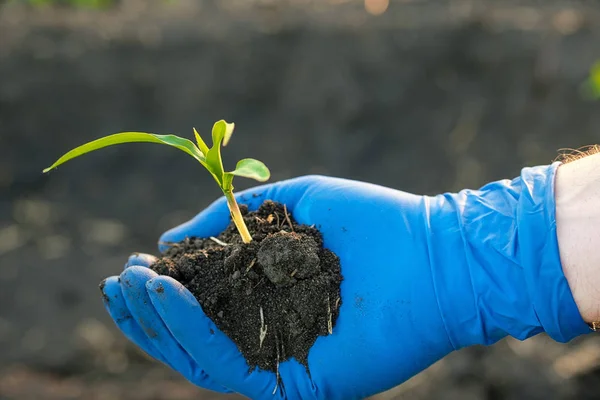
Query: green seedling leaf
x,y
131,137
222,131
215,164
218,131
201,145
253,169
228,132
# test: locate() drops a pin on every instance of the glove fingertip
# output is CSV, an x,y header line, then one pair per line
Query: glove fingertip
x,y
132,276
140,259
113,300
109,288
161,288
117,309
169,296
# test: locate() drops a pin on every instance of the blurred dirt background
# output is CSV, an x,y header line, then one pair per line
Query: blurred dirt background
x,y
428,96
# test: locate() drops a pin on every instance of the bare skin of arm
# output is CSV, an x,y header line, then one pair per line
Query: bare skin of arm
x,y
577,196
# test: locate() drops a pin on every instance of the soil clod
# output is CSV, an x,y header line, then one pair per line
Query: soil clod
x,y
284,255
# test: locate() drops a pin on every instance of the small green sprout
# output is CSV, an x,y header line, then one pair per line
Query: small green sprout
x,y
210,158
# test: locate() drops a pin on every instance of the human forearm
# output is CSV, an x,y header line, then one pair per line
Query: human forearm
x,y
577,194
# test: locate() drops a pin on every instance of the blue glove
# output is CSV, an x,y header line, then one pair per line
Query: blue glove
x,y
423,276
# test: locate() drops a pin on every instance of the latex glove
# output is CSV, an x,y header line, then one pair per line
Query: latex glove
x,y
423,276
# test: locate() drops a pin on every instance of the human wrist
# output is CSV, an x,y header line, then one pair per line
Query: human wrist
x,y
577,198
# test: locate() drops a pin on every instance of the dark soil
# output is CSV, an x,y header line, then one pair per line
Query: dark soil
x,y
283,287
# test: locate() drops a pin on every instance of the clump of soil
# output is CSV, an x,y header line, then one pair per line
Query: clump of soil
x,y
273,296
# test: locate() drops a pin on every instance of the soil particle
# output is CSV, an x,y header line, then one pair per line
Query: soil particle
x,y
273,296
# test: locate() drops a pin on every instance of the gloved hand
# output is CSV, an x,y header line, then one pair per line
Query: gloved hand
x,y
423,276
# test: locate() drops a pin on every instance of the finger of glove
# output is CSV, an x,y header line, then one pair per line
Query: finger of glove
x,y
210,347
117,308
133,287
215,218
140,259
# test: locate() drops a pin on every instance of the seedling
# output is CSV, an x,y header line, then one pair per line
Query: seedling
x,y
210,158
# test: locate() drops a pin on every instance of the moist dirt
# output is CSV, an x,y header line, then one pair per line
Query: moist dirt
x,y
273,296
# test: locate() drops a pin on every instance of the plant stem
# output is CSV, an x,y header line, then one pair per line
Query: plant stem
x,y
236,215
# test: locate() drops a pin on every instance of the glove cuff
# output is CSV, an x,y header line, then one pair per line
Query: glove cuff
x,y
496,263
550,294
